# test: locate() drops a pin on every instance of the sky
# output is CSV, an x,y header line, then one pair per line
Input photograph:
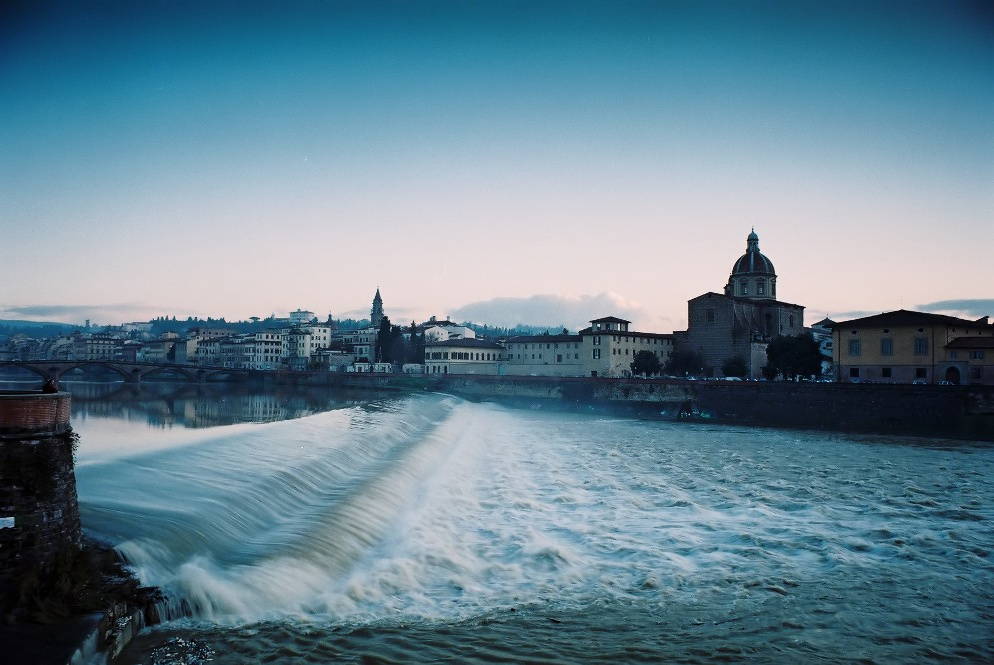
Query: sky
x,y
544,163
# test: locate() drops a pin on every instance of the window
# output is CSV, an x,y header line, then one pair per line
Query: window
x,y
709,315
596,341
885,372
744,288
854,347
853,372
597,354
976,355
974,372
921,346
886,346
760,287
920,373
953,355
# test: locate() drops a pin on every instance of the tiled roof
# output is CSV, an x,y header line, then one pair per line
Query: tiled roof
x,y
467,343
904,317
543,338
977,342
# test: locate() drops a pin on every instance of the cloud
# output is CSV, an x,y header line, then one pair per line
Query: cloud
x,y
974,308
813,315
77,314
549,310
966,309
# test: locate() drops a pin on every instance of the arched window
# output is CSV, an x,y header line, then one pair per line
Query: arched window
x,y
760,287
743,288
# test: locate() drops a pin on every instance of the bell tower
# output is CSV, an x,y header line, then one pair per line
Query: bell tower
x,y
376,313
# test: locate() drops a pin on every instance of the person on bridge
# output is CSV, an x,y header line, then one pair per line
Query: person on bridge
x,y
50,386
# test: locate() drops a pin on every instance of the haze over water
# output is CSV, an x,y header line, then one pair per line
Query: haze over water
x,y
424,528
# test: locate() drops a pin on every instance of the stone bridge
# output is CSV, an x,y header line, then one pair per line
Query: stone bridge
x,y
128,371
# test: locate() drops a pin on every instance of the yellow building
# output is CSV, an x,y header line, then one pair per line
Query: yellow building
x,y
969,360
609,347
908,347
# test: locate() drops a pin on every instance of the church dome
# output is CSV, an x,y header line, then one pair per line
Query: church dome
x,y
753,262
753,275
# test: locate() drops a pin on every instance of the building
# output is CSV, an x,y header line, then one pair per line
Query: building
x,y
739,323
913,347
361,342
545,355
969,360
463,356
96,346
301,317
608,347
438,331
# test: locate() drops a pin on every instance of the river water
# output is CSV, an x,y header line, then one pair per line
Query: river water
x,y
429,529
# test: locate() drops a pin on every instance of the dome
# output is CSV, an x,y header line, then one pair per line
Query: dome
x,y
753,262
753,275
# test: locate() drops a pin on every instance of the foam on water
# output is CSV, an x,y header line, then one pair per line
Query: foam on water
x,y
430,509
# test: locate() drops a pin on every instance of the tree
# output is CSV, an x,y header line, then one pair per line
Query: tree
x,y
647,363
684,361
416,346
792,357
381,350
735,366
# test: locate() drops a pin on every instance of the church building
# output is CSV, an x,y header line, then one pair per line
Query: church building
x,y
740,322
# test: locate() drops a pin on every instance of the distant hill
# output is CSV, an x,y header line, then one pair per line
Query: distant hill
x,y
37,329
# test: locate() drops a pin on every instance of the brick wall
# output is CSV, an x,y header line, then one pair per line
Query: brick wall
x,y
39,512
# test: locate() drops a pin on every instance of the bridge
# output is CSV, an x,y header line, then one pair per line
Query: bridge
x,y
130,372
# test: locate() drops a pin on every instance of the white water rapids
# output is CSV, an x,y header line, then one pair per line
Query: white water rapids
x,y
452,526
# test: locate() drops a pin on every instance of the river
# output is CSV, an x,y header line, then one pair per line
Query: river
x,y
426,528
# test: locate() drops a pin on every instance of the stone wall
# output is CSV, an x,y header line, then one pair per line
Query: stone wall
x,y
964,412
39,513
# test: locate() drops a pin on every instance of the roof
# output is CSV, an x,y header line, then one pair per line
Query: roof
x,y
609,319
466,343
543,338
904,317
753,263
623,333
971,343
758,302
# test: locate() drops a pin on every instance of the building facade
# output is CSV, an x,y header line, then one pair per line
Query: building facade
x,y
608,347
464,356
544,355
913,347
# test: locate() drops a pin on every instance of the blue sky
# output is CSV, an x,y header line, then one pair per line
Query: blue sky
x,y
492,158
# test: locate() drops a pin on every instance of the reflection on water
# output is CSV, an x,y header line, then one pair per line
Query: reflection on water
x,y
181,404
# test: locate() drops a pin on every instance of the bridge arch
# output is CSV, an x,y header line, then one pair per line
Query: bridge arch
x,y
170,370
12,369
84,366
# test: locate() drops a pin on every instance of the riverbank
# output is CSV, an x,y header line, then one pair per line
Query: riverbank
x,y
959,412
87,613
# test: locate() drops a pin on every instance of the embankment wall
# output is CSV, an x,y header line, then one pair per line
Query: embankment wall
x,y
963,412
